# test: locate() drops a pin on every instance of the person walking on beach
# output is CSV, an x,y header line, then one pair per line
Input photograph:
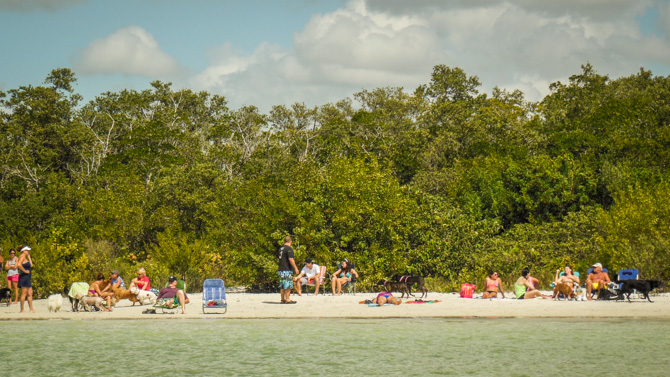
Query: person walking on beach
x,y
25,265
13,275
285,270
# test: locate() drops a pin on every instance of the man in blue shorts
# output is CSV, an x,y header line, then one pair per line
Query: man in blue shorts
x,y
286,261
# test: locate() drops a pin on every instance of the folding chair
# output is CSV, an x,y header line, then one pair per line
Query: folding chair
x,y
628,274
321,277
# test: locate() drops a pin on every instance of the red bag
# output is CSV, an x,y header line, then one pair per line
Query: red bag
x,y
467,290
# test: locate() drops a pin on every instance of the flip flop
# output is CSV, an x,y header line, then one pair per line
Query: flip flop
x,y
290,302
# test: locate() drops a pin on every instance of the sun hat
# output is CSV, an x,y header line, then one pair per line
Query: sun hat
x,y
25,248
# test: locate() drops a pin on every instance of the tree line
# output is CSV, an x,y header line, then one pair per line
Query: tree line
x,y
444,181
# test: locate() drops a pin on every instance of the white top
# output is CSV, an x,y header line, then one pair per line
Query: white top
x,y
311,272
13,271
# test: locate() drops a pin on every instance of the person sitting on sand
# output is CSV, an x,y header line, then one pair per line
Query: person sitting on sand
x,y
94,290
172,292
342,276
597,280
141,282
386,298
493,285
524,289
116,281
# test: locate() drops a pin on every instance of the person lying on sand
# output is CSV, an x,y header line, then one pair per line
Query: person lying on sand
x,y
386,298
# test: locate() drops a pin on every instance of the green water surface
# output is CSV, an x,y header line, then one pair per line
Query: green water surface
x,y
340,347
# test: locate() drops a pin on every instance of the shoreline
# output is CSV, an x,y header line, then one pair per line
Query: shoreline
x,y
450,306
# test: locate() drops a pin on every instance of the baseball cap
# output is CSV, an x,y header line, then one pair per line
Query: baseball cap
x,y
115,272
172,278
308,260
596,265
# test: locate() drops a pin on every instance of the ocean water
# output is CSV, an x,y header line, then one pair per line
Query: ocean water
x,y
344,347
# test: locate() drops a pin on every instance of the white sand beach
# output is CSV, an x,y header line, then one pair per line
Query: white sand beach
x,y
266,305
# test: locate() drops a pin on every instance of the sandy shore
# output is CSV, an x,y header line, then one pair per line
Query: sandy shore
x,y
250,305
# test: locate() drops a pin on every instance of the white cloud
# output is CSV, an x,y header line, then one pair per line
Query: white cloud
x,y
130,51
514,44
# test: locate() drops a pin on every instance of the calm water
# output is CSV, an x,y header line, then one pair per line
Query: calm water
x,y
381,347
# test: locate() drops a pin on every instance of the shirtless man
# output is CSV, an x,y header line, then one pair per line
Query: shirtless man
x,y
597,280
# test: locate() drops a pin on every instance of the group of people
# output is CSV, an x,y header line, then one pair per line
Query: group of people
x,y
19,276
172,295
525,286
310,273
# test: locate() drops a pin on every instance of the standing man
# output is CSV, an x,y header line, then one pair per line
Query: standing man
x,y
286,268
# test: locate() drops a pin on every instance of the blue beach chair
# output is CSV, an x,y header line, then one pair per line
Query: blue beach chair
x,y
214,295
628,274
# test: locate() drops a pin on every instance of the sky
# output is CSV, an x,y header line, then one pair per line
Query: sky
x,y
279,52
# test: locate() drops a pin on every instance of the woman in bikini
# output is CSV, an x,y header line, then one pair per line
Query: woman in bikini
x,y
386,298
493,285
342,276
568,278
95,291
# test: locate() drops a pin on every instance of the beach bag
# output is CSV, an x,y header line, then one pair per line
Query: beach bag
x,y
467,290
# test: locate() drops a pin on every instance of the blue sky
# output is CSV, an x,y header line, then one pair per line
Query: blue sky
x,y
271,52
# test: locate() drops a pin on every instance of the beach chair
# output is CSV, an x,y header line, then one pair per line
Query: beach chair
x,y
322,279
576,287
164,303
351,285
628,274
77,288
214,295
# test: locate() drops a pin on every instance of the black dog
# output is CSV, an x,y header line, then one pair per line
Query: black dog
x,y
6,294
642,286
395,286
418,280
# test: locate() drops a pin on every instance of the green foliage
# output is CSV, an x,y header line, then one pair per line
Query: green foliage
x,y
443,181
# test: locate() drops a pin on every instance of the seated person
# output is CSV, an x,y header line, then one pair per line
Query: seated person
x,y
177,295
567,277
308,274
141,282
342,276
524,289
386,298
116,281
597,280
493,285
94,290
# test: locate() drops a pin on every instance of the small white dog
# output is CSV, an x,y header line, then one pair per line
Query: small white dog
x,y
54,302
86,302
146,297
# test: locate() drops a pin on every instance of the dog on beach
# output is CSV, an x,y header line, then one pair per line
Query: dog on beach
x,y
120,294
394,286
564,289
418,280
87,303
146,298
642,286
54,302
6,295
